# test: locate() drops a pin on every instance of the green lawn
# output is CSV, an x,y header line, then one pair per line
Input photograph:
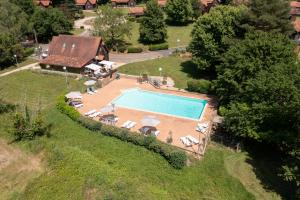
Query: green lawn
x,y
174,33
77,31
27,61
87,13
80,164
174,67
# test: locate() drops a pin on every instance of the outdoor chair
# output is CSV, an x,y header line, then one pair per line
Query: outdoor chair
x,y
90,112
192,139
185,141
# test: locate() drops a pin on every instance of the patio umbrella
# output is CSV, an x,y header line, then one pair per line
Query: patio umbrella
x,y
109,108
89,83
73,95
150,121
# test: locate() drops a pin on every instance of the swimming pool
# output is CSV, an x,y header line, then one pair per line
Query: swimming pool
x,y
174,105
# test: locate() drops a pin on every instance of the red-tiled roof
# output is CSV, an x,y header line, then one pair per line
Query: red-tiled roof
x,y
44,3
72,51
206,2
162,2
295,4
136,10
83,2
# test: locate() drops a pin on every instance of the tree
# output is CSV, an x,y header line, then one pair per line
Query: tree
x,y
268,15
68,7
27,6
179,11
152,27
112,25
258,51
212,35
196,7
50,22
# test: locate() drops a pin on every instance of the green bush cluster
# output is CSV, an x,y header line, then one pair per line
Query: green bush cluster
x,y
201,86
6,107
156,47
175,157
134,50
28,51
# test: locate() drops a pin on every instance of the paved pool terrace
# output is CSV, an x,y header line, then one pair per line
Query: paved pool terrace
x,y
177,125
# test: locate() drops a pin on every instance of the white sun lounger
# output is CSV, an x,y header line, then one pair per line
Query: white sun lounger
x,y
90,112
131,125
204,125
192,139
185,141
78,105
201,129
126,124
96,114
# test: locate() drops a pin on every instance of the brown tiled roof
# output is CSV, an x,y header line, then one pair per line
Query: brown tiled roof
x,y
136,10
162,2
83,2
44,3
295,4
207,2
72,51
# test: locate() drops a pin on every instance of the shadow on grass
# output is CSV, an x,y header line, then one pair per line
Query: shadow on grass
x,y
266,161
192,70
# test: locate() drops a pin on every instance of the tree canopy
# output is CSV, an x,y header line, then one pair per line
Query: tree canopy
x,y
268,15
152,26
179,11
212,34
49,22
112,25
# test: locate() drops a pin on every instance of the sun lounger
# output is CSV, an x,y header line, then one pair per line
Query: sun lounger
x,y
201,129
192,139
126,124
94,90
156,133
78,105
204,125
90,112
131,125
185,141
96,114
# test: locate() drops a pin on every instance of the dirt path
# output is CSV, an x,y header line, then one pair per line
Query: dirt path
x,y
30,66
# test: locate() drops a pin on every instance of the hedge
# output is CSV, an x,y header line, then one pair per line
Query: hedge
x,y
134,50
155,47
201,86
177,158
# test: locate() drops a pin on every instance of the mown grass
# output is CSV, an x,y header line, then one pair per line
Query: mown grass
x,y
174,67
181,33
77,31
81,164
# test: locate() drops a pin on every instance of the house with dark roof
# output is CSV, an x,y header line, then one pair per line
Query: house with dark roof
x,y
74,53
86,4
123,3
136,11
43,3
295,10
206,5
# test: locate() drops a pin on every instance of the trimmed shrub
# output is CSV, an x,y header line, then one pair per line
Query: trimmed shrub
x,y
156,47
175,157
122,48
201,86
134,50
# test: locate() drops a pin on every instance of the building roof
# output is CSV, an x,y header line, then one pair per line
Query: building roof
x,y
44,3
83,2
136,10
295,4
72,51
162,2
207,2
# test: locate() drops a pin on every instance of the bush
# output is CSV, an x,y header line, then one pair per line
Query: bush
x,y
175,157
28,51
201,86
81,27
156,47
6,107
122,48
134,50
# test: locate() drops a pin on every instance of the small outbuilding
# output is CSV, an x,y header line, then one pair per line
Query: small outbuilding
x,y
123,3
86,4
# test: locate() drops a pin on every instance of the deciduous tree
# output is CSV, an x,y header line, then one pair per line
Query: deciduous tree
x,y
179,11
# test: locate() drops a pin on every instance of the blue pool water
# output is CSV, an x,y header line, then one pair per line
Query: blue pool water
x,y
161,103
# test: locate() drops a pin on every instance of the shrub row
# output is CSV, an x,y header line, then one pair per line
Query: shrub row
x,y
155,47
201,86
134,50
174,156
